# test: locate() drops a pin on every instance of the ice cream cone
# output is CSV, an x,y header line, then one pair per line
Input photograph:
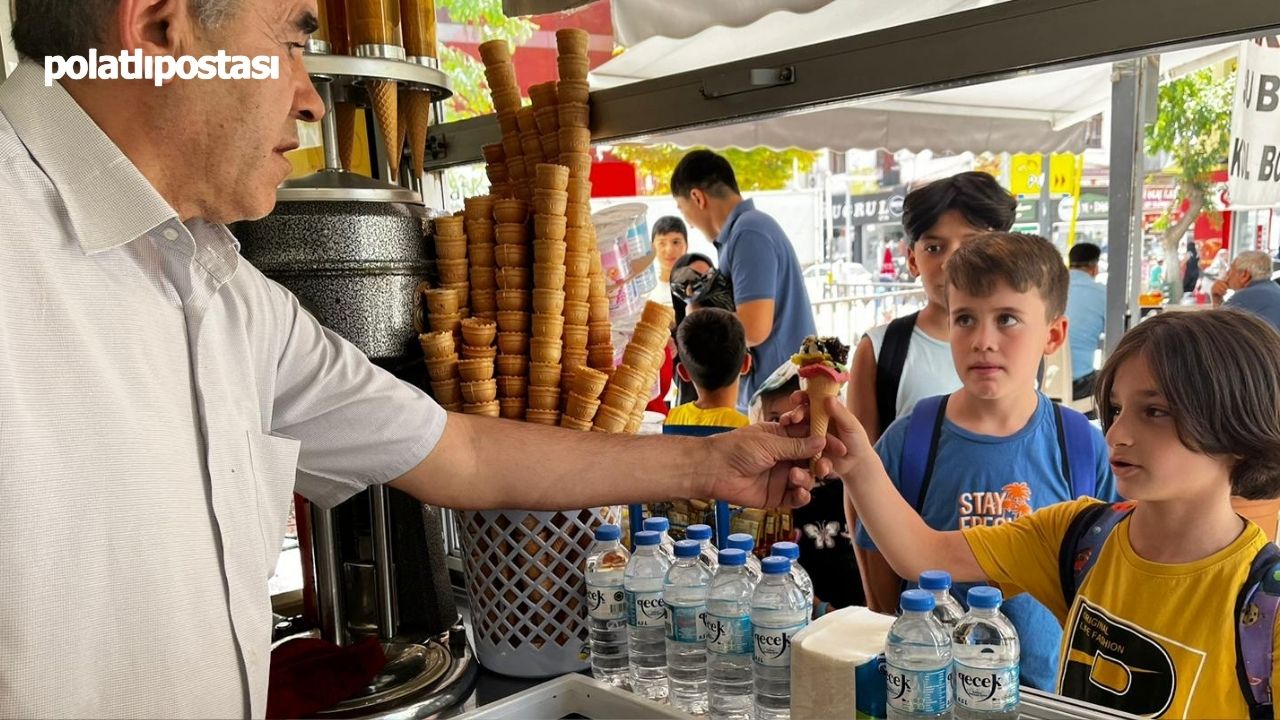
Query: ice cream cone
x,y
402,122
419,120
386,113
345,120
819,388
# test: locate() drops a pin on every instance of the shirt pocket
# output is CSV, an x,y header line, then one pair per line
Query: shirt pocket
x,y
273,462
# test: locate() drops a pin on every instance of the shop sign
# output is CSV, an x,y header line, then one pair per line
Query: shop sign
x,y
1026,174
1253,168
881,207
1064,173
1028,212
1093,206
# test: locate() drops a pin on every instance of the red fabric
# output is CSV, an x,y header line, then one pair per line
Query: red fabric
x,y
659,404
309,675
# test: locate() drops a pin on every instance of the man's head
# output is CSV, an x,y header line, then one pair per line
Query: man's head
x,y
1084,257
1006,295
1248,267
713,349
214,148
670,241
705,190
942,215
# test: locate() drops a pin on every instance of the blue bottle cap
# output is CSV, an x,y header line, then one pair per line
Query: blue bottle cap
x,y
733,556
786,550
657,524
987,598
935,580
688,548
917,601
606,533
648,537
742,541
776,565
698,532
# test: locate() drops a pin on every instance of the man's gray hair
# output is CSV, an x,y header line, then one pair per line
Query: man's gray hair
x,y
43,28
1254,262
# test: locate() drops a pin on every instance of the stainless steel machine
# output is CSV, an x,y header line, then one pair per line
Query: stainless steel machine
x,y
353,250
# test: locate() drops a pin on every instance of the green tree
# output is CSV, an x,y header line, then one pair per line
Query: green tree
x,y
1193,126
756,169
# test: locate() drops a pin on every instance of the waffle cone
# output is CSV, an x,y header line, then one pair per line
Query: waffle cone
x,y
402,121
345,121
386,113
819,388
419,120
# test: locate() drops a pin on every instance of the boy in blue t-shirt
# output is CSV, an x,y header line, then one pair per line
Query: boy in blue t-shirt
x,y
998,453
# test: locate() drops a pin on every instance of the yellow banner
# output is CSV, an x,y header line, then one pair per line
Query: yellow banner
x,y
1026,173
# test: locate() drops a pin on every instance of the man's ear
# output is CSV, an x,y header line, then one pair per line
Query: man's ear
x,y
746,364
156,27
699,198
684,374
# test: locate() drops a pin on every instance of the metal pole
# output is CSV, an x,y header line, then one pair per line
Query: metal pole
x,y
328,586
329,127
382,562
1132,81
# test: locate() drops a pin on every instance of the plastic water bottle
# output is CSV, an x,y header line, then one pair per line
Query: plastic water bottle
x,y
607,608
946,609
662,526
791,551
778,611
685,594
729,639
987,660
747,544
702,533
646,617
918,661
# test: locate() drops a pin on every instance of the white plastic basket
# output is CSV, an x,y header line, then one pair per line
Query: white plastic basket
x,y
524,579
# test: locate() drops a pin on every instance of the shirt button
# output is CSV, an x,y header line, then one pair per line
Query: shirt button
x,y
170,234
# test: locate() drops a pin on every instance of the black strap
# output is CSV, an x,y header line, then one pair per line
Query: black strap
x,y
1062,449
933,453
889,364
1070,547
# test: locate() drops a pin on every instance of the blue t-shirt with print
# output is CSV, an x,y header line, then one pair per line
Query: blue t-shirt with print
x,y
761,264
988,480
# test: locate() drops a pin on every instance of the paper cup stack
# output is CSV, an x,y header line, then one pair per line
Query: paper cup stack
x,y
478,223
583,399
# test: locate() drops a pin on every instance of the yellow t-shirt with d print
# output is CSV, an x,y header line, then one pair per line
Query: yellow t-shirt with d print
x,y
1146,638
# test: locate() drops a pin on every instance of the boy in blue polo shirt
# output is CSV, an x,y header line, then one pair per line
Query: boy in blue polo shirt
x,y
757,258
997,449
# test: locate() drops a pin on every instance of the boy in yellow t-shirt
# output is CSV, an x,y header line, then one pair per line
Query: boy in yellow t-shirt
x,y
1151,627
713,356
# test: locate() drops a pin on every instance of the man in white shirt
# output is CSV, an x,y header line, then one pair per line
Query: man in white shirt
x,y
160,399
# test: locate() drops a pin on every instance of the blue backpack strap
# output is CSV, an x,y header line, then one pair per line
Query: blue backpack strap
x,y
1083,542
1256,611
1075,440
921,448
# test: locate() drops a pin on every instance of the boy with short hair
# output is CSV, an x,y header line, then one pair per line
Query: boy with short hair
x,y
713,356
996,449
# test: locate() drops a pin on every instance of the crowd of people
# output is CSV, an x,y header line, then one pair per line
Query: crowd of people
x,y
950,456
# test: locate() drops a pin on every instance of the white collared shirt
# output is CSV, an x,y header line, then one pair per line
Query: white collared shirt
x,y
157,397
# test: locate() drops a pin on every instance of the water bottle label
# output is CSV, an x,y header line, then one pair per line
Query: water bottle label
x,y
986,689
606,602
645,609
687,623
729,635
773,645
918,691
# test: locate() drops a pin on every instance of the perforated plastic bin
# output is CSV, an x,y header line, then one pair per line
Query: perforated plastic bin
x,y
527,591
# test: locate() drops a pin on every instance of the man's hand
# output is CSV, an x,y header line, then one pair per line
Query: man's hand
x,y
1219,291
764,465
847,443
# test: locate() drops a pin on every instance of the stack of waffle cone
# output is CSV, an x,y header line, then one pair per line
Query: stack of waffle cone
x,y
383,95
476,369
584,398
619,399
546,116
572,133
643,358
547,344
501,76
513,269
440,352
478,223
